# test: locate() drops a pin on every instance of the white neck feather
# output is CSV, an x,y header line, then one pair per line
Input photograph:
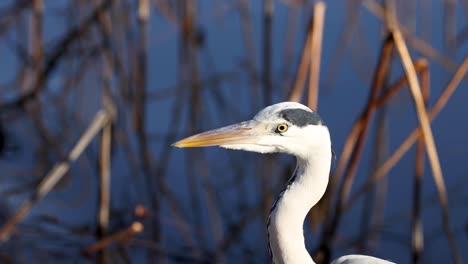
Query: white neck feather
x,y
285,229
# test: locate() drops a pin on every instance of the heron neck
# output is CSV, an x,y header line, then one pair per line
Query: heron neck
x,y
305,189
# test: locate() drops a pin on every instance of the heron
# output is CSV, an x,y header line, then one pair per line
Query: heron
x,y
295,129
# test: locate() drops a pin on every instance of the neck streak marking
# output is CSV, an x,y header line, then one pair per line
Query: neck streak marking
x,y
273,207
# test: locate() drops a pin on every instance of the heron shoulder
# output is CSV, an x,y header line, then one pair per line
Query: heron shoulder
x,y
361,259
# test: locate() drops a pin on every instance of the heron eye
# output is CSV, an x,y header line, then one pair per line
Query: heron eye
x,y
281,128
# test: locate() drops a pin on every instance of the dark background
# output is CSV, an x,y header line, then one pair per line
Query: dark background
x,y
189,66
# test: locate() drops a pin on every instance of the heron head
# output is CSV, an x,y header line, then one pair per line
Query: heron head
x,y
287,127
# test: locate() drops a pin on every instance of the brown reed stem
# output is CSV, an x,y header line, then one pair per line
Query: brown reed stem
x,y
104,194
317,213
190,67
425,128
301,75
421,67
268,9
344,41
106,138
315,54
381,190
119,237
379,77
211,205
462,36
420,45
140,119
417,233
36,24
289,47
411,139
382,70
450,24
55,174
249,45
53,59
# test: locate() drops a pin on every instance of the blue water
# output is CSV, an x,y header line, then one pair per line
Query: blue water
x,y
62,224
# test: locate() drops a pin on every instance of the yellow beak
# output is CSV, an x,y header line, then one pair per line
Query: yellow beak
x,y
247,132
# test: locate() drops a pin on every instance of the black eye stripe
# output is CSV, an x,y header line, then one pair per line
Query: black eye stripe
x,y
300,117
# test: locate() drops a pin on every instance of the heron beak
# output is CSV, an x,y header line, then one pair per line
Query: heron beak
x,y
247,132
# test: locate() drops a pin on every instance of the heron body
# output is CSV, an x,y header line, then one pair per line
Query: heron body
x,y
295,129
